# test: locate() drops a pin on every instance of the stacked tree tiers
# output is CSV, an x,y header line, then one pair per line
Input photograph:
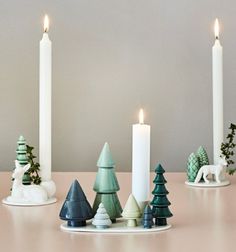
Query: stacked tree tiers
x,y
106,213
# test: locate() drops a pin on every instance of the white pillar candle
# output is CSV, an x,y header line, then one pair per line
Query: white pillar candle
x,y
45,90
141,161
217,78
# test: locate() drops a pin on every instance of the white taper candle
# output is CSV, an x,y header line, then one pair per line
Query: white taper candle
x,y
45,90
217,78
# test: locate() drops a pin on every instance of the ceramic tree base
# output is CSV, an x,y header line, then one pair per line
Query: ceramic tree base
x,y
208,185
118,227
12,202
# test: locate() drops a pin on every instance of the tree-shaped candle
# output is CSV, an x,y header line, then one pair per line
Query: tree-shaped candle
x,y
131,211
101,219
160,203
76,209
22,158
106,185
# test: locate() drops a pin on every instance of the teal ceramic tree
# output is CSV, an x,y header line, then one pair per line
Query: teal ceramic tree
x,y
22,158
106,185
160,203
147,217
192,167
202,157
76,208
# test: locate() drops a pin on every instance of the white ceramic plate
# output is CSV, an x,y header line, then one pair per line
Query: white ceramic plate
x,y
118,227
211,184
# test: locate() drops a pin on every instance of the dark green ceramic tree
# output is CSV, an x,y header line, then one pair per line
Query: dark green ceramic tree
x,y
21,156
106,185
160,203
76,209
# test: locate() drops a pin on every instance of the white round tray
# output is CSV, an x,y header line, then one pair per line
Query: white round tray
x,y
118,227
6,201
208,185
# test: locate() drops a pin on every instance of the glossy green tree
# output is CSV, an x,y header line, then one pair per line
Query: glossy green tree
x,y
202,157
21,156
106,185
160,203
192,167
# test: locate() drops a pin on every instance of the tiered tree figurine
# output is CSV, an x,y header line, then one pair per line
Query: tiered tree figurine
x,y
192,167
202,157
76,209
106,185
131,211
160,203
101,219
22,158
147,217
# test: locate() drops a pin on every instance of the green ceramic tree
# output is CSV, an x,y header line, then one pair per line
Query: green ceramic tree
x,y
22,158
192,167
202,157
106,185
160,203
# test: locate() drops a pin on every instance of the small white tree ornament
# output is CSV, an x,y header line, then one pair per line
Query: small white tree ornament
x,y
217,170
101,219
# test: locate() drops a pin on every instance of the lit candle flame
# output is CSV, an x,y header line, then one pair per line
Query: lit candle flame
x,y
141,117
217,28
46,23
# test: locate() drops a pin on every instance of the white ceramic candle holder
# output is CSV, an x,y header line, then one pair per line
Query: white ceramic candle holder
x,y
29,195
118,227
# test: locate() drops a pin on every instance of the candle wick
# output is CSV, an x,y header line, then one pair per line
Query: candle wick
x,y
217,37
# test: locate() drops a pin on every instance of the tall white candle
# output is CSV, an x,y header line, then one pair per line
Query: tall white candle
x,y
217,78
141,161
45,90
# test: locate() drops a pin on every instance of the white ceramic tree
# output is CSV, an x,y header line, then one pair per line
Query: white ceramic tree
x,y
131,211
101,218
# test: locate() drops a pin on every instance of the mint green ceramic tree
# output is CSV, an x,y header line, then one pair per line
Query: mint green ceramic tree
x,y
22,158
192,167
202,156
106,185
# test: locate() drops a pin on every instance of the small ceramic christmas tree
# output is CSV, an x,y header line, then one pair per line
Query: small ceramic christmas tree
x,y
147,217
76,209
202,157
131,211
106,185
22,158
160,203
101,219
192,167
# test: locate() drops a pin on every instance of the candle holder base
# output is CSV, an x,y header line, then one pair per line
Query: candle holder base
x,y
10,201
119,227
208,185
